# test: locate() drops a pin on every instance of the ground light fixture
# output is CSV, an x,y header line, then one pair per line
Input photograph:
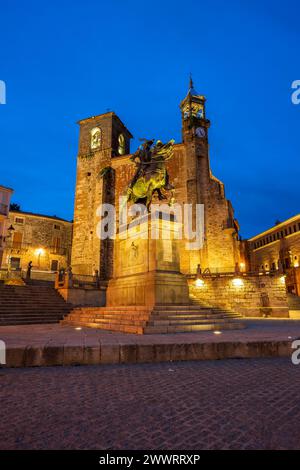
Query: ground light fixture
x,y
237,282
199,282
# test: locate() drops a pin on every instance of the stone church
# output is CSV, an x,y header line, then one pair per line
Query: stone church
x,y
104,141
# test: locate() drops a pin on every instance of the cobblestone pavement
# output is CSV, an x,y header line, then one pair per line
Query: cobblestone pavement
x,y
230,404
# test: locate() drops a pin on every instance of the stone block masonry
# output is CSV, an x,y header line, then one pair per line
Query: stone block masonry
x,y
250,296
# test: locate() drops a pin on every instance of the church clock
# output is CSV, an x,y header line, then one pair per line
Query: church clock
x,y
200,132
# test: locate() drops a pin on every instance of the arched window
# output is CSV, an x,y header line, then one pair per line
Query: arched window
x,y
122,146
96,138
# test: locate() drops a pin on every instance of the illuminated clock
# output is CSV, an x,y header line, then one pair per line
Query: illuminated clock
x,y
200,132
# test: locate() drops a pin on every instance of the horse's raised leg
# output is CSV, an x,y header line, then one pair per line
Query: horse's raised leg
x,y
160,194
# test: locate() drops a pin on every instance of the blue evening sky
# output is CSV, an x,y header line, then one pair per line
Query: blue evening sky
x,y
66,60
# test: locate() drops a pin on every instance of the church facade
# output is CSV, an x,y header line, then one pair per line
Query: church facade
x,y
104,142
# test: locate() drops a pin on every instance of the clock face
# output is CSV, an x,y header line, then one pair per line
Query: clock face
x,y
200,132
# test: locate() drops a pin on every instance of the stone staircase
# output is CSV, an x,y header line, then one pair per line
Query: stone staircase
x,y
160,319
31,304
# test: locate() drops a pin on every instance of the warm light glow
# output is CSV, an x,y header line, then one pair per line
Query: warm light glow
x,y
296,264
242,265
282,279
217,332
199,282
237,282
39,251
78,328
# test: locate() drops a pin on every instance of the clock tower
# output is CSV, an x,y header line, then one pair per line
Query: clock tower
x,y
194,122
220,227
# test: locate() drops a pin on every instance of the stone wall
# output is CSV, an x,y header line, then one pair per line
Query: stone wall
x,y
35,240
85,297
251,296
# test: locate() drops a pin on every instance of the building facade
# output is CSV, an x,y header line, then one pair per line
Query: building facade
x,y
104,142
41,239
278,248
5,195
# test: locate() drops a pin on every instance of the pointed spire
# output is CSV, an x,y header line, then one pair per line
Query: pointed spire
x,y
192,91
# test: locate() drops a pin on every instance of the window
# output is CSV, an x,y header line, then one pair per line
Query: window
x,y
15,263
54,265
17,240
122,145
273,266
19,220
95,138
56,227
56,244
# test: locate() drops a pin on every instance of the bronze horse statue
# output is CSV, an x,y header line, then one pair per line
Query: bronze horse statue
x,y
151,174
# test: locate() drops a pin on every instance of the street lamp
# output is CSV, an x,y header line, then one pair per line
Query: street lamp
x,y
10,231
39,252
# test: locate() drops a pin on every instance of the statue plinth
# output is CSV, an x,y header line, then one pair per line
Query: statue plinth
x,y
146,265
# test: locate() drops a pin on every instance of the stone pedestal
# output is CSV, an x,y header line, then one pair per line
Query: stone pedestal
x,y
148,294
146,265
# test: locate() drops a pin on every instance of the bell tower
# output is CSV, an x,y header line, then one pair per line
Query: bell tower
x,y
194,122
101,139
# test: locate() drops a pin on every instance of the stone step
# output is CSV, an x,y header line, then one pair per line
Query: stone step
x,y
191,328
29,322
32,309
160,319
31,305
155,316
151,322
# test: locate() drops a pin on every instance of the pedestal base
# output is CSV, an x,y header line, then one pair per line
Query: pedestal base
x,y
148,289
